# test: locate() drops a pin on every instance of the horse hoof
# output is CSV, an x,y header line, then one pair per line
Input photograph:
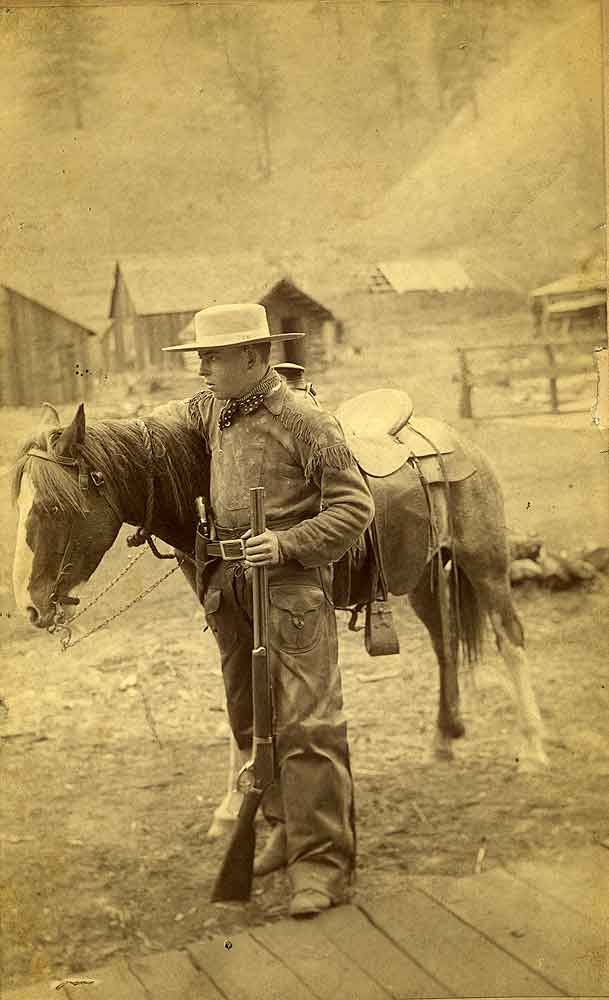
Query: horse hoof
x,y
220,828
456,730
442,749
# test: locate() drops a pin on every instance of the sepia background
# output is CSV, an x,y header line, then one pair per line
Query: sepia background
x,y
418,186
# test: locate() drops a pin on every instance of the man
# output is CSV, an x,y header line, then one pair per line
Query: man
x,y
259,433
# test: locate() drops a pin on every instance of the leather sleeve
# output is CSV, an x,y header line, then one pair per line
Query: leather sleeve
x,y
346,505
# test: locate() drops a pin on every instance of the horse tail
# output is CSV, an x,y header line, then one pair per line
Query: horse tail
x,y
469,616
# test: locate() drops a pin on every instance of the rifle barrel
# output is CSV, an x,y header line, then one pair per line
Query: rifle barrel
x,y
234,881
260,574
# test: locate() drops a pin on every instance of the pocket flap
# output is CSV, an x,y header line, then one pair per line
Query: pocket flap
x,y
212,601
297,600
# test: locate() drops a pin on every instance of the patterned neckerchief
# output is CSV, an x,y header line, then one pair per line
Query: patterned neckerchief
x,y
250,400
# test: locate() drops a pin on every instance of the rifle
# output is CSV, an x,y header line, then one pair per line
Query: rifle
x,y
234,881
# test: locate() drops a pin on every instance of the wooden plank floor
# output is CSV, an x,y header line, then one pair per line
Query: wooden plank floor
x,y
532,929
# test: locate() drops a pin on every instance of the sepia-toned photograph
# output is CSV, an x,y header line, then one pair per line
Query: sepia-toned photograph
x,y
304,586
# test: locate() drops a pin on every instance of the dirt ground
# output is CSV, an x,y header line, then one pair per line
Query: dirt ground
x,y
115,751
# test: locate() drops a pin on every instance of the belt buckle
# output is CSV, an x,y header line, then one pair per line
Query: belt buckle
x,y
228,547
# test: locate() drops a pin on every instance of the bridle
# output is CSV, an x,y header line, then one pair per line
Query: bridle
x,y
84,476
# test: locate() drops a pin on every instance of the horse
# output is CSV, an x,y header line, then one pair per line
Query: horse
x,y
75,485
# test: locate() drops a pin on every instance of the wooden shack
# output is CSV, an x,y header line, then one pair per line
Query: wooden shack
x,y
574,302
44,355
419,277
155,299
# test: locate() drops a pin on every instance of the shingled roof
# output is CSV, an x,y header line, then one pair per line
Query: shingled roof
x,y
423,274
78,290
569,284
161,285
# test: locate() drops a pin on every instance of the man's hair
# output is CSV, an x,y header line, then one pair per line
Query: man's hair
x,y
262,351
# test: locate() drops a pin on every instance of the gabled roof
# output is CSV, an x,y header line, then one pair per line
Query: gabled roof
x,y
423,274
582,302
90,327
79,290
582,281
159,285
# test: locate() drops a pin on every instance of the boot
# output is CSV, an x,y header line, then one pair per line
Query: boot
x,y
308,903
274,855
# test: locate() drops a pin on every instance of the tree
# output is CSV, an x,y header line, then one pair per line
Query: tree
x,y
322,9
70,59
463,53
243,33
472,38
396,57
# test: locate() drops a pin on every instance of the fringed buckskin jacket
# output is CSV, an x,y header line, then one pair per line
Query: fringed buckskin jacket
x,y
315,497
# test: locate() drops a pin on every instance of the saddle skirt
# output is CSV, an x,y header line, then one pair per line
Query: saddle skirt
x,y
384,436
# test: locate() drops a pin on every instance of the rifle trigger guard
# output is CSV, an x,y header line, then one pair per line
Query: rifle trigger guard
x,y
245,778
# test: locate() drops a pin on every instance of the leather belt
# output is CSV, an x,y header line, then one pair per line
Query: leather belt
x,y
230,549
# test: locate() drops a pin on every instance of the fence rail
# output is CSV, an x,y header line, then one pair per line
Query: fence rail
x,y
520,363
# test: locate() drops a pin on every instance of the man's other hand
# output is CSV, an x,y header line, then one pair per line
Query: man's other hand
x,y
261,550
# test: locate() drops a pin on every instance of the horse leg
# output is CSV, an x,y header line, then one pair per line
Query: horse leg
x,y
432,606
509,636
225,815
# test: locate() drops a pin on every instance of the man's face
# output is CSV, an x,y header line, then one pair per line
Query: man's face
x,y
226,371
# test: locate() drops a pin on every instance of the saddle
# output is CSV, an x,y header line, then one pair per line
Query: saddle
x,y
383,435
399,458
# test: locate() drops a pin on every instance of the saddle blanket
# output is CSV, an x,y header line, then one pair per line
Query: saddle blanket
x,y
402,521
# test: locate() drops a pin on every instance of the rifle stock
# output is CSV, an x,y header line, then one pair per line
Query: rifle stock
x,y
234,881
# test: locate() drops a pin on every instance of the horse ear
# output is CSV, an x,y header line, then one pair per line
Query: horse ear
x,y
73,434
49,417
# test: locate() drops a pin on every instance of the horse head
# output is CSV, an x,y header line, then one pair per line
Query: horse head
x,y
66,519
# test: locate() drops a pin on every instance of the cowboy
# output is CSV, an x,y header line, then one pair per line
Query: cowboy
x,y
260,433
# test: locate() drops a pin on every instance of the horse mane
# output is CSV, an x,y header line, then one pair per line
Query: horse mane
x,y
118,449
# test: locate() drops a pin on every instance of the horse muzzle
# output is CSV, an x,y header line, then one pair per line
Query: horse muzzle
x,y
54,614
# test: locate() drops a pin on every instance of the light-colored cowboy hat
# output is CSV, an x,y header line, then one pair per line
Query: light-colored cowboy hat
x,y
230,326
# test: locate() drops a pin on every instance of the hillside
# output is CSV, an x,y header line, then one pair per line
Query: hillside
x,y
165,160
518,192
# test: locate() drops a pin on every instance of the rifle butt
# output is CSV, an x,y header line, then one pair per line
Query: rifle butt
x,y
234,881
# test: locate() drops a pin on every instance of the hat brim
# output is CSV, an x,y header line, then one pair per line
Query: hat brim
x,y
264,338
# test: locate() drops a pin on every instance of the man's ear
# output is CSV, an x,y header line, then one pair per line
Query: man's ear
x,y
73,435
253,357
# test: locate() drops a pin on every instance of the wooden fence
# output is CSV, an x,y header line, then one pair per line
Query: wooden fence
x,y
497,369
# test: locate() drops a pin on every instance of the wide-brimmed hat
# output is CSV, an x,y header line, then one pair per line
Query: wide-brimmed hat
x,y
230,326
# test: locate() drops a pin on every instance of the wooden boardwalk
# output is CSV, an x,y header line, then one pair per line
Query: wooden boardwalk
x,y
533,929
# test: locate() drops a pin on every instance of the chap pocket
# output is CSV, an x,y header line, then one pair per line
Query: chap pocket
x,y
297,615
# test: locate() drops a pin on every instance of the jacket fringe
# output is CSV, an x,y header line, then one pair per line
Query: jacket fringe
x,y
294,422
337,456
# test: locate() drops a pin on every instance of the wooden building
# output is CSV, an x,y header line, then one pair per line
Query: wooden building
x,y
420,276
44,355
574,302
154,301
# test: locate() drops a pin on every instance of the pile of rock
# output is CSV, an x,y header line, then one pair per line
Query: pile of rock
x,y
556,571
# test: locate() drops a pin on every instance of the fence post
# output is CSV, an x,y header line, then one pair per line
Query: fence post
x,y
549,349
465,404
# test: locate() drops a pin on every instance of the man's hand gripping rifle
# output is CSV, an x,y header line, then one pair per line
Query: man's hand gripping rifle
x,y
234,881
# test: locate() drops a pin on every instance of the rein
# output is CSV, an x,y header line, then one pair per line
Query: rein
x,y
142,535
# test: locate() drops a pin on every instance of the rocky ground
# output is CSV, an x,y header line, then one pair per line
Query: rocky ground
x,y
115,751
